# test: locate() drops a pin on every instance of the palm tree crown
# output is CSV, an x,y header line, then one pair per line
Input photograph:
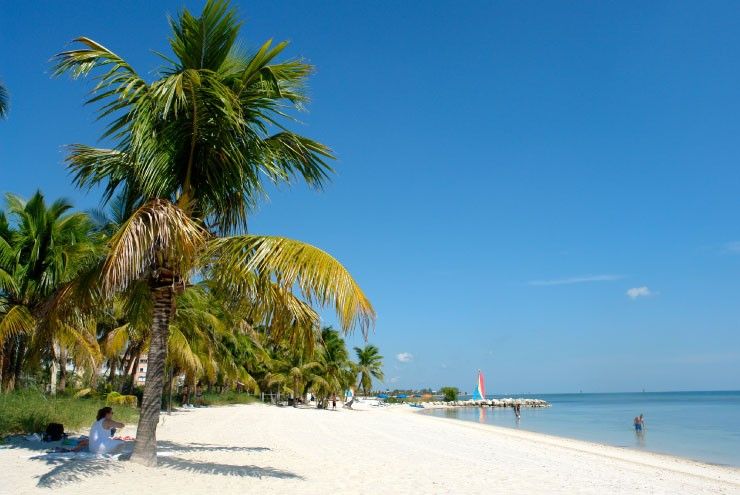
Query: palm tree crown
x,y
369,365
206,134
42,249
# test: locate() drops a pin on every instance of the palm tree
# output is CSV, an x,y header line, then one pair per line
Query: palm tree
x,y
44,249
293,368
369,365
4,101
336,366
191,150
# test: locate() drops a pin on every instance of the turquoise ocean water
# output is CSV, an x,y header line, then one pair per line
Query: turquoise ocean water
x,y
698,425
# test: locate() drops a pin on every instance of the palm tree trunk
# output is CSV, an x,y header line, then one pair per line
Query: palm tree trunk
x,y
145,449
53,370
112,369
62,369
20,353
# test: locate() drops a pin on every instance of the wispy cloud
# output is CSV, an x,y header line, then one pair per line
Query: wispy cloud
x,y
636,292
731,247
404,357
394,379
576,280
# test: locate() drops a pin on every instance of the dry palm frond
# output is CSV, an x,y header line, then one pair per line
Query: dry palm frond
x,y
158,234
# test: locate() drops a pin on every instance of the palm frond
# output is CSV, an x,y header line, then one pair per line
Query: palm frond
x,y
320,278
16,320
157,229
4,102
181,353
118,84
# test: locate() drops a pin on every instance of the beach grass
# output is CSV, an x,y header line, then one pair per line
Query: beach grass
x,y
29,411
227,397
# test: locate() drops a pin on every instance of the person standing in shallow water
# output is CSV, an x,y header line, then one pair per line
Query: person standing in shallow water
x,y
639,422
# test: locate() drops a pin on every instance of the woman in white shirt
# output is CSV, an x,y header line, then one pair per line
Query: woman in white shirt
x,y
101,436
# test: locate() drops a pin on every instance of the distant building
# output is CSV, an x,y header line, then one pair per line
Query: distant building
x,y
140,372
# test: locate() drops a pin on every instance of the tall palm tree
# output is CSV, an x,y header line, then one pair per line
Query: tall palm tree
x,y
4,101
43,249
369,365
192,149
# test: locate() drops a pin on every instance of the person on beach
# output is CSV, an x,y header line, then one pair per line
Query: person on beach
x,y
518,411
334,402
101,433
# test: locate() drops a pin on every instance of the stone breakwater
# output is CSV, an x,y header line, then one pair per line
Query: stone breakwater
x,y
509,402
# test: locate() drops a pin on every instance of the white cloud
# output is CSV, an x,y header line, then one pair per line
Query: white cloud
x,y
576,280
395,379
404,357
636,292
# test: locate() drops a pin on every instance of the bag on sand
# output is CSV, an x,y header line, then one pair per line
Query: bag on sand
x,y
54,432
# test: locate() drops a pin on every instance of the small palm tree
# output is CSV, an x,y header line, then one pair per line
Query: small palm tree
x,y
191,150
369,365
336,366
42,251
293,370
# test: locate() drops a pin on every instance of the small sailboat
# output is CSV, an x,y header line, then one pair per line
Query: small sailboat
x,y
479,393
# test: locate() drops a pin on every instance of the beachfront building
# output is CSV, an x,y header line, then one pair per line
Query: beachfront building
x,y
140,372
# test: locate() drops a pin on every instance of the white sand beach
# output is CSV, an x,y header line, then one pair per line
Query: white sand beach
x,y
264,449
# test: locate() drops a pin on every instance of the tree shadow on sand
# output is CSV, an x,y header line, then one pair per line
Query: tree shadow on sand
x,y
164,446
204,467
71,468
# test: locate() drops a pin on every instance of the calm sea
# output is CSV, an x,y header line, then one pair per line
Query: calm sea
x,y
699,425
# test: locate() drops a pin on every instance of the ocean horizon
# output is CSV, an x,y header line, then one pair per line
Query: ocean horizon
x,y
699,425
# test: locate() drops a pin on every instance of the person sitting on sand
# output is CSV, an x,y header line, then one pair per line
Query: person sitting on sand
x,y
101,437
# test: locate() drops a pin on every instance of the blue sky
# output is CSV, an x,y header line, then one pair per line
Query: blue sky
x,y
509,174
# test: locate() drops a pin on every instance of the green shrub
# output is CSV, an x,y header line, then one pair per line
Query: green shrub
x,y
449,393
29,411
116,399
226,397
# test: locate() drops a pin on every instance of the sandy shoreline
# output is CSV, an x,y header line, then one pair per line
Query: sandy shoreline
x,y
264,449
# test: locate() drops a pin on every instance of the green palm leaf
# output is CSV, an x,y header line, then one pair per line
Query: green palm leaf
x,y
16,320
4,101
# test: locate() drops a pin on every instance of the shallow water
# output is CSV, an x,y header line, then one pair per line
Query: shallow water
x,y
699,425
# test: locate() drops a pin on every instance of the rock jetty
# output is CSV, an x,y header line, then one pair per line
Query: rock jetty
x,y
508,402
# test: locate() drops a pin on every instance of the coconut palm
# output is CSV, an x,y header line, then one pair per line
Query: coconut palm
x,y
336,366
191,149
293,369
43,249
4,101
369,365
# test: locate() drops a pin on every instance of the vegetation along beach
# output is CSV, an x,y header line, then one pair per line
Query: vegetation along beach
x,y
280,247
